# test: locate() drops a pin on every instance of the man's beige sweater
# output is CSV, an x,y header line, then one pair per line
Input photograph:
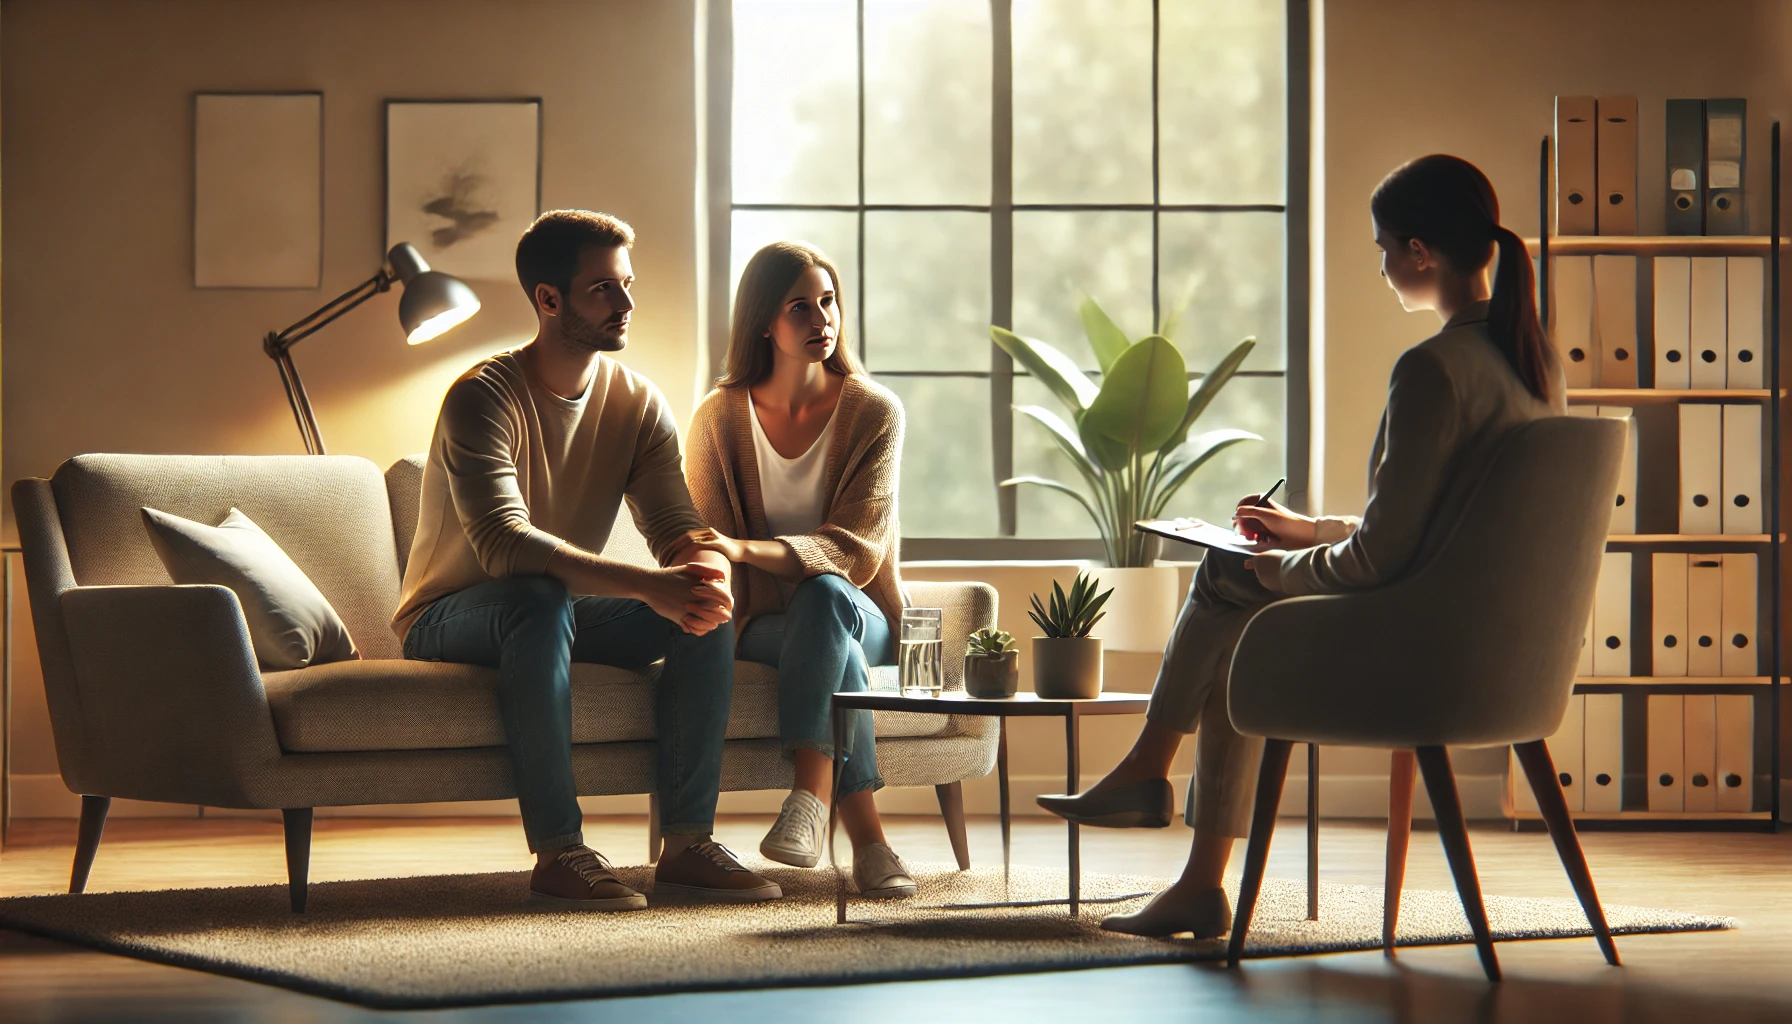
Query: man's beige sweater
x,y
860,540
515,471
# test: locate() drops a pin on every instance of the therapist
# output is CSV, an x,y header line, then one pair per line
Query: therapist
x,y
1451,400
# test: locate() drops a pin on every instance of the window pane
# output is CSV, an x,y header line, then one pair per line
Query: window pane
x,y
835,234
927,291
1100,253
1082,101
1228,268
1222,116
1247,403
795,101
1040,512
927,106
947,486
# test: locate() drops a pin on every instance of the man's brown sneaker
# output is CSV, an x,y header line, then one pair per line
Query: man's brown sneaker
x,y
579,878
710,872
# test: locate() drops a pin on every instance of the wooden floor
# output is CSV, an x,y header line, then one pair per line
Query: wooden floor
x,y
1742,975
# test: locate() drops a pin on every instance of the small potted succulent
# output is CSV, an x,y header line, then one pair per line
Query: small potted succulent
x,y
992,664
1067,660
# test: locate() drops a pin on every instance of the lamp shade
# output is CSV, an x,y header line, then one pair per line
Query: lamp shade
x,y
433,302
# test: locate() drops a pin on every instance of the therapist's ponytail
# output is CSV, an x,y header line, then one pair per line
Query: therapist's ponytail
x,y
1447,203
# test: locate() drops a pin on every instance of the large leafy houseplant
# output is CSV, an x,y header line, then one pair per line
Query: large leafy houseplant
x,y
1128,435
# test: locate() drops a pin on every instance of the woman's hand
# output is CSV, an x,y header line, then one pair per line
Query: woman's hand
x,y
1274,525
709,540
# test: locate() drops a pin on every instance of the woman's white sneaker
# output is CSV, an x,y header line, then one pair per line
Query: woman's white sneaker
x,y
796,838
880,874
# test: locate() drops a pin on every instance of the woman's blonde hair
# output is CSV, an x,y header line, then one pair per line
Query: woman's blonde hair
x,y
767,278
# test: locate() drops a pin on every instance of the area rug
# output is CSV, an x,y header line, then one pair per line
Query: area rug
x,y
471,939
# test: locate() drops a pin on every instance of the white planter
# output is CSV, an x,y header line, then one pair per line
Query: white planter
x,y
1142,612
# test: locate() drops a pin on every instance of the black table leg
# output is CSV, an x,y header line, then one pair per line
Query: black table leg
x,y
1002,788
1073,783
833,817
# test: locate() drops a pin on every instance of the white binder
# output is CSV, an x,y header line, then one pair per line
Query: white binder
x,y
1735,752
1701,469
1673,331
1566,752
1708,302
1614,317
1742,469
1571,318
1701,752
1604,752
1704,615
1667,753
1624,504
1668,619
1744,320
1740,657
1700,744
1611,616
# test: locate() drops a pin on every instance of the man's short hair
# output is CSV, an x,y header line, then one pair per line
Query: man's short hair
x,y
548,252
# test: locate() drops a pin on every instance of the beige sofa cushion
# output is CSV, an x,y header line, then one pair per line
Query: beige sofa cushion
x,y
290,623
425,705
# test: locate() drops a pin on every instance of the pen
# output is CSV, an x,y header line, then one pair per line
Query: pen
x,y
1263,502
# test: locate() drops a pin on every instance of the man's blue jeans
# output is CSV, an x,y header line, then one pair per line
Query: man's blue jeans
x,y
531,630
823,644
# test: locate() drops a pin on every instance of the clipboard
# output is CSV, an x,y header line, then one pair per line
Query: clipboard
x,y
1199,533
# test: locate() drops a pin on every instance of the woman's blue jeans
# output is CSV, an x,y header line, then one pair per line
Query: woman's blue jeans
x,y
531,630
824,644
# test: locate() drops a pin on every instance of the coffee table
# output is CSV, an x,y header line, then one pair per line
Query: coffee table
x,y
957,702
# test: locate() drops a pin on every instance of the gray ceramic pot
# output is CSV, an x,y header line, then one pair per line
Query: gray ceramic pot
x,y
1067,668
992,678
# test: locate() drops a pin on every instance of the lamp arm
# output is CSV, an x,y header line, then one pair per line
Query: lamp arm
x,y
277,343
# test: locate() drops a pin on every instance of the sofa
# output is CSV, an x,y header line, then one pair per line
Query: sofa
x,y
154,692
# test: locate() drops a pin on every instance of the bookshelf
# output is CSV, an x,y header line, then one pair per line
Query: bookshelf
x,y
1766,814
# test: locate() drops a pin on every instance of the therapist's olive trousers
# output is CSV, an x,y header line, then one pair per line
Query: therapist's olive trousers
x,y
1190,693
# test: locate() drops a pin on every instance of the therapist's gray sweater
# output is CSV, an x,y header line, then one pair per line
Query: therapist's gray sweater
x,y
1451,399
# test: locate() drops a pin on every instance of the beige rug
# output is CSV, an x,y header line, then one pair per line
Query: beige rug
x,y
470,939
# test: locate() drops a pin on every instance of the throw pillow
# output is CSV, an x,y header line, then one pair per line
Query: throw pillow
x,y
291,624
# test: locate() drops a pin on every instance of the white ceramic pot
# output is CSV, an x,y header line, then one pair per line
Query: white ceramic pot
x,y
1142,612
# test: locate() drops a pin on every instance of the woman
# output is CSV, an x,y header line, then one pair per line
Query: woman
x,y
1451,399
793,463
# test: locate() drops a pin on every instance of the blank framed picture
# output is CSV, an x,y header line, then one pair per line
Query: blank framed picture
x,y
258,190
463,179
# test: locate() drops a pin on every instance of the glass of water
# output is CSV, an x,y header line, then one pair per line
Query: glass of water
x,y
919,652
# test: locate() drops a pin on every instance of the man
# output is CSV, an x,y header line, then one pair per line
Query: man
x,y
534,451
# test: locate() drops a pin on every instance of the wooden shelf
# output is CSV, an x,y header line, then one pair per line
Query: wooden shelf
x,y
1691,538
1690,681
1650,815
1651,396
1657,245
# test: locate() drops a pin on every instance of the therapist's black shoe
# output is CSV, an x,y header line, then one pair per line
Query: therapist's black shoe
x,y
1147,804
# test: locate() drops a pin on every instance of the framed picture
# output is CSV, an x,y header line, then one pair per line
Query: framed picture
x,y
463,179
258,190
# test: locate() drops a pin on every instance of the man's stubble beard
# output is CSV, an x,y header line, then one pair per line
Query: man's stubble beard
x,y
587,334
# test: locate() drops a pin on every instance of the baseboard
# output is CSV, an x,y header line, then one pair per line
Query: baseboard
x,y
1340,796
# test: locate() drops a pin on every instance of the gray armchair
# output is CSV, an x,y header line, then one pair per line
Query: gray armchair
x,y
1476,648
154,692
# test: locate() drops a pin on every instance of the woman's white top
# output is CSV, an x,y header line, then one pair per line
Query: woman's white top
x,y
791,489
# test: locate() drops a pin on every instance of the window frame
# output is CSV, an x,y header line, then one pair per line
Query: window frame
x,y
717,58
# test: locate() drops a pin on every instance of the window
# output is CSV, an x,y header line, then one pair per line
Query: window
x,y
971,163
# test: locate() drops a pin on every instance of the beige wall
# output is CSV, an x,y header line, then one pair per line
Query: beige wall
x,y
113,349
